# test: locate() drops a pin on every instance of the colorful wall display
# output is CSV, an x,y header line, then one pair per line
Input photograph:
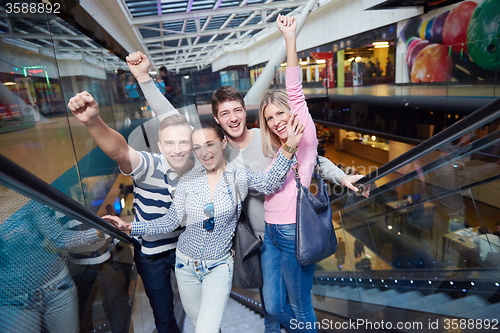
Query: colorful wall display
x,y
459,43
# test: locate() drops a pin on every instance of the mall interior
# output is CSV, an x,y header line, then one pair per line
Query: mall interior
x,y
404,92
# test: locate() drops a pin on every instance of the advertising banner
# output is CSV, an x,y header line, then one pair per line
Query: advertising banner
x,y
457,43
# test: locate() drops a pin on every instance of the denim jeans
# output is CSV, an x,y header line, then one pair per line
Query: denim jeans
x,y
287,284
155,274
112,279
204,287
271,325
55,304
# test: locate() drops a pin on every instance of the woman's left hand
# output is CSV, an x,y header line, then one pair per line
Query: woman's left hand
x,y
294,130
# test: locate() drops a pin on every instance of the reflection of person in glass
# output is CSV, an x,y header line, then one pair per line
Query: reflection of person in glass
x,y
341,253
105,266
133,98
457,174
36,289
487,242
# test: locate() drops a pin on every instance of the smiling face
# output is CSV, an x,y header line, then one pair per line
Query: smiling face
x,y
231,116
175,145
208,148
276,120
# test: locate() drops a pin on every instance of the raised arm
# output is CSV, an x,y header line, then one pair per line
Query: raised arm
x,y
288,27
306,154
112,143
139,64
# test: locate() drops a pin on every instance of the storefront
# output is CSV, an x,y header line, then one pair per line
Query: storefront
x,y
367,146
360,60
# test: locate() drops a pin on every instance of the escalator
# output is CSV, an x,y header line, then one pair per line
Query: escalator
x,y
416,260
421,266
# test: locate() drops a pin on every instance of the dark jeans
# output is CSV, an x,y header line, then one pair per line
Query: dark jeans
x,y
155,274
113,279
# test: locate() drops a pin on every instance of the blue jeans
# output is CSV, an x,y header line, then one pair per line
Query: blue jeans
x,y
204,287
155,274
271,325
287,284
54,304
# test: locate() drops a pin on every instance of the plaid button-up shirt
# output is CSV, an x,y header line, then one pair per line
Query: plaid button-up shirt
x,y
192,194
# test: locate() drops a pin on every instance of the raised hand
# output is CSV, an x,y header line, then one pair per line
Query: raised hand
x,y
287,24
294,130
139,65
84,107
118,222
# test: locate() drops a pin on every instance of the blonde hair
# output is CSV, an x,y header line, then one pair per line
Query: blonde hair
x,y
270,141
172,120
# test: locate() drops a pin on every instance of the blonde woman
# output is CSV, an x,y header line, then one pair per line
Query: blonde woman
x,y
287,284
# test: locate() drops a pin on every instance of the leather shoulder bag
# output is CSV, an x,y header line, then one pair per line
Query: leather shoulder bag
x,y
315,237
247,272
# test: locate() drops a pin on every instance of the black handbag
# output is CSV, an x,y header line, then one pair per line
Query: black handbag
x,y
315,237
247,272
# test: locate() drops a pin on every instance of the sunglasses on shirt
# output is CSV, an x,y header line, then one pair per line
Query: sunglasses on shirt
x,y
209,223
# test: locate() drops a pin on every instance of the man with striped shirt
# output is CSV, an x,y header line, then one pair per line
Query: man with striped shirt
x,y
155,179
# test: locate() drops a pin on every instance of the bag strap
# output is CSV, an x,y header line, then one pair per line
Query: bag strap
x,y
318,167
295,168
238,195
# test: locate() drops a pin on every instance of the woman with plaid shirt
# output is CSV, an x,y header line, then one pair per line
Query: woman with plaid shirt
x,y
206,197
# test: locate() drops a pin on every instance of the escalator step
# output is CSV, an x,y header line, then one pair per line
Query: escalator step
x,y
405,297
382,298
489,312
237,318
425,302
345,293
459,306
372,292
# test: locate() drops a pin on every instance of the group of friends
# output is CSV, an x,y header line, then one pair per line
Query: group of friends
x,y
186,210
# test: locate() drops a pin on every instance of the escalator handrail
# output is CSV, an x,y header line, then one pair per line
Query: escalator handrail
x,y
24,182
471,148
475,120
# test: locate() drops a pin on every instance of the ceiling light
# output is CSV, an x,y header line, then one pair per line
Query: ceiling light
x,y
380,43
321,61
381,46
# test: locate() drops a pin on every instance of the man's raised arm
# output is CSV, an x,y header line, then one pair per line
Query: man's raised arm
x,y
112,143
139,64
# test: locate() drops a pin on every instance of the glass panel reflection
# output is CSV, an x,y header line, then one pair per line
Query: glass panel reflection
x,y
424,240
59,275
